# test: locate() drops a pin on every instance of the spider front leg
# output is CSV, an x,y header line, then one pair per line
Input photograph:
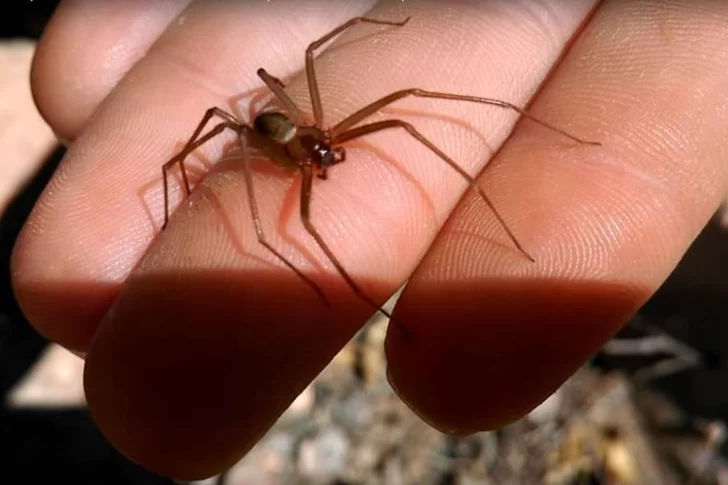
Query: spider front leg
x,y
277,88
387,124
229,121
374,107
306,190
318,112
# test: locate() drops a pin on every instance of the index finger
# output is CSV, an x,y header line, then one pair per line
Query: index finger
x,y
97,216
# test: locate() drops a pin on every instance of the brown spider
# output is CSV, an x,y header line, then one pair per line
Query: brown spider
x,y
290,143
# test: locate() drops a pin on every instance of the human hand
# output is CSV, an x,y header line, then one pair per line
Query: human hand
x,y
210,338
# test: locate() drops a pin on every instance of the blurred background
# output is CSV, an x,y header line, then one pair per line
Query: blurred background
x,y
650,408
46,435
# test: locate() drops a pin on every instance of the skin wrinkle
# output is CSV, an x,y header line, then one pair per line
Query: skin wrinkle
x,y
614,175
674,199
126,51
663,175
182,66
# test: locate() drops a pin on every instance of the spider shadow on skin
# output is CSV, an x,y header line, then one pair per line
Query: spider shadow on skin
x,y
459,122
233,234
487,239
361,145
195,174
471,129
203,164
234,101
258,99
256,103
399,112
227,162
260,165
264,94
232,162
534,132
289,208
290,203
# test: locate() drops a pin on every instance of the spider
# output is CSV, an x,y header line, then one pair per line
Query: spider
x,y
311,149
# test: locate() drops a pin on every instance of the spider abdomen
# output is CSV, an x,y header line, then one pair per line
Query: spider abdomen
x,y
276,127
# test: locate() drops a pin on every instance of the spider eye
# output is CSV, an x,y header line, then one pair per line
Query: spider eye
x,y
275,126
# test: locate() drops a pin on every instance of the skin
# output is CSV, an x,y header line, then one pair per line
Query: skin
x,y
25,138
197,338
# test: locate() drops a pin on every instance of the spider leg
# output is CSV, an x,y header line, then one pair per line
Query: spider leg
x,y
318,112
229,121
372,108
387,124
276,86
306,190
255,214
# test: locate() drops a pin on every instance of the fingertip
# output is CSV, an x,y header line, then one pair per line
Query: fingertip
x,y
86,48
479,356
64,90
63,308
64,312
189,370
